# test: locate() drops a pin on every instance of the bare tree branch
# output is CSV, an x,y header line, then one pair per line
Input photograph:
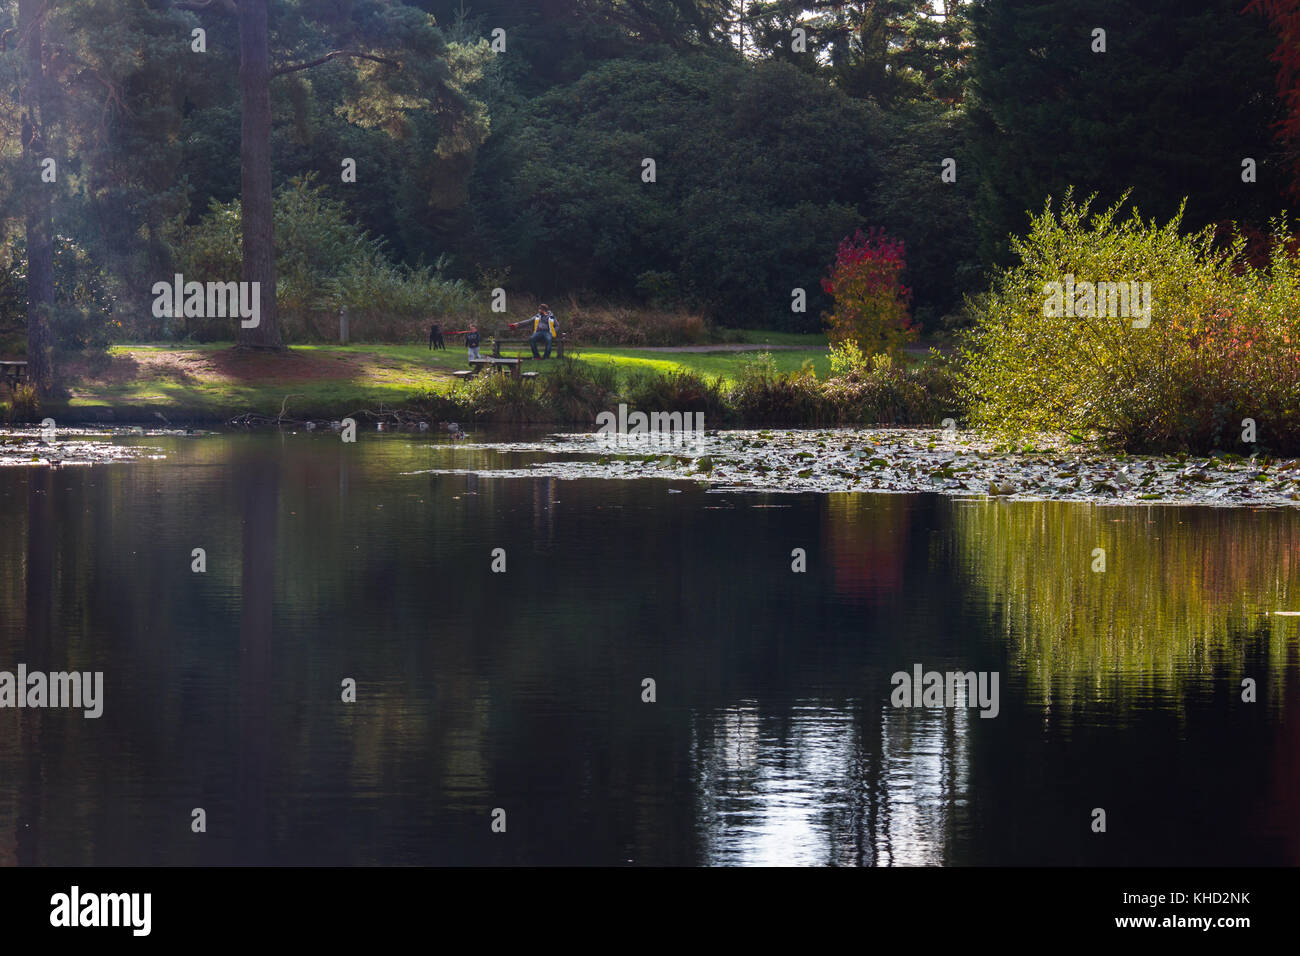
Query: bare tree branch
x,y
329,56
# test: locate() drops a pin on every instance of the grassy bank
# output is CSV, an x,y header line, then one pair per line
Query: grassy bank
x,y
740,381
755,390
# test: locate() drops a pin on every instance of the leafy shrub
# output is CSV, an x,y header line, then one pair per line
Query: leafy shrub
x,y
503,398
452,406
848,359
24,404
762,394
881,392
391,303
577,391
675,391
323,261
1222,345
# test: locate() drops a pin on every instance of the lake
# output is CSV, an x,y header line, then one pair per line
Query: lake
x,y
489,700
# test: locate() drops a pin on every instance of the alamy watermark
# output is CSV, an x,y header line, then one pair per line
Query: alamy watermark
x,y
949,689
212,300
1113,300
56,689
75,909
675,427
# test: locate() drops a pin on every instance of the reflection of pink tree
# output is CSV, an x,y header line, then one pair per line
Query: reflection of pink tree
x,y
866,542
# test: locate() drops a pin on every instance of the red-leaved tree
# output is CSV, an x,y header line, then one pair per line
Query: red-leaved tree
x,y
1284,16
870,298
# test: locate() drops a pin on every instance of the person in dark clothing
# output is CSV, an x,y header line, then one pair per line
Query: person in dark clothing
x,y
471,340
435,337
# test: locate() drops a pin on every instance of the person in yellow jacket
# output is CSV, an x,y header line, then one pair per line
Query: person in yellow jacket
x,y
546,328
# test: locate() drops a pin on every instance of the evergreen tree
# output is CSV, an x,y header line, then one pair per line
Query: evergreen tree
x,y
399,66
34,103
1180,96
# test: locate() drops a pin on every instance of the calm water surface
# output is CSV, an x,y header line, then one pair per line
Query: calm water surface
x,y
772,739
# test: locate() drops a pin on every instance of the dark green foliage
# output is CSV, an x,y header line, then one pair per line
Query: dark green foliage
x,y
678,391
759,171
1183,93
578,391
932,217
83,314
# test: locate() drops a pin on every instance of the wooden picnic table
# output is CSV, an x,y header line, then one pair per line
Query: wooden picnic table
x,y
13,372
506,364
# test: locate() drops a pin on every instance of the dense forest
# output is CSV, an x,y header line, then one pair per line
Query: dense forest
x,y
695,154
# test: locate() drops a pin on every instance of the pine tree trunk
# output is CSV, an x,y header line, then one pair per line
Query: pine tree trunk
x,y
255,171
37,196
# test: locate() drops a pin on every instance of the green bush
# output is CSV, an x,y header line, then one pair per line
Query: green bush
x,y
676,391
578,391
83,313
880,392
390,303
503,398
323,261
1222,344
761,394
24,404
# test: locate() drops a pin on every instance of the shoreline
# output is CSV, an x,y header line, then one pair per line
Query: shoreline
x,y
787,460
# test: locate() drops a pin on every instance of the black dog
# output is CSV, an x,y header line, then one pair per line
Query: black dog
x,y
435,337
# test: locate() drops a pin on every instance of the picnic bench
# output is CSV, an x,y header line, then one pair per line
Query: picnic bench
x,y
13,372
499,339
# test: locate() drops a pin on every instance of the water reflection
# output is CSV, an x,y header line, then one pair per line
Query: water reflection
x,y
1186,595
831,785
772,739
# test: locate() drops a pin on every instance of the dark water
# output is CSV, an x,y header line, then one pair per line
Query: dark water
x,y
772,738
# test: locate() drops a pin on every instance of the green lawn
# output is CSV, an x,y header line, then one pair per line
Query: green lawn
x,y
212,382
725,365
801,339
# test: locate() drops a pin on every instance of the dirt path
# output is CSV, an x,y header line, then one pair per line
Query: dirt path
x,y
726,348
914,349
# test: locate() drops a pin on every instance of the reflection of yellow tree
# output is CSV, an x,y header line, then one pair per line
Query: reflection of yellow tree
x,y
1181,590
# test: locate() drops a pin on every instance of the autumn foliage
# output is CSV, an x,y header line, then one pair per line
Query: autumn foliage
x,y
1284,16
871,302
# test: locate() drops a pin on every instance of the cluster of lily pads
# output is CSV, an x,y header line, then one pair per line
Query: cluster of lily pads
x,y
911,460
72,446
